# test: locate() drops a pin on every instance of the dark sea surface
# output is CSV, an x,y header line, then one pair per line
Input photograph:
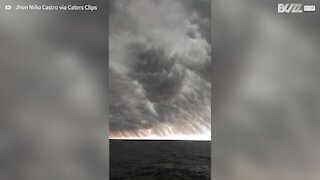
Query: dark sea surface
x,y
159,160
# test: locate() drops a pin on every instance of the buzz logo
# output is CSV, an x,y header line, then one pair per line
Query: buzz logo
x,y
290,8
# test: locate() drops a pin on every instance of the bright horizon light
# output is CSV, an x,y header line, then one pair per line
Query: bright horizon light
x,y
198,137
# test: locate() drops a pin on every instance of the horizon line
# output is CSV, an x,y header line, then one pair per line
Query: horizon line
x,y
174,137
146,139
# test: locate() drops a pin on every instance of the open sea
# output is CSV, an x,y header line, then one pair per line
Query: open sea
x,y
159,160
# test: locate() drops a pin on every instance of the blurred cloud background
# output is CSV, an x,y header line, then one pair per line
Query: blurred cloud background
x,y
265,93
53,84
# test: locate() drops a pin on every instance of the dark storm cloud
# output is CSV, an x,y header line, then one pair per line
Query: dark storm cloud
x,y
159,67
202,15
128,104
160,77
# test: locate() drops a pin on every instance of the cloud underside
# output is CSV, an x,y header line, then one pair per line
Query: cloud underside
x,y
160,62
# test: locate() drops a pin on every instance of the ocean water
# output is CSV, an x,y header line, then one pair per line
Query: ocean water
x,y
159,160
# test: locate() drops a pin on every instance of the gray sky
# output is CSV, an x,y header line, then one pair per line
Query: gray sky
x,y
160,62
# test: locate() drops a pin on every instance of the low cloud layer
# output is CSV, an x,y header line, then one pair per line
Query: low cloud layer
x,y
160,62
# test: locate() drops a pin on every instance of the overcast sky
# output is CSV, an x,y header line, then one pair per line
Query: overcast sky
x,y
160,62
